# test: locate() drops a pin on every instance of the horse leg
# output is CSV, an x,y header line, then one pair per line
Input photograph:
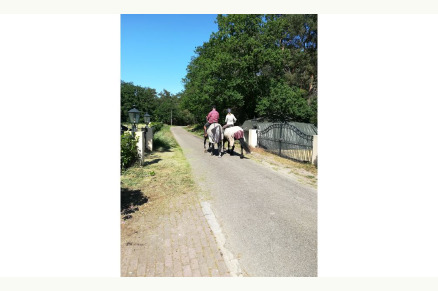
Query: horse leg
x,y
244,146
205,140
219,148
232,151
241,150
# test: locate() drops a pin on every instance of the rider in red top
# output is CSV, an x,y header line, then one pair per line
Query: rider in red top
x,y
212,117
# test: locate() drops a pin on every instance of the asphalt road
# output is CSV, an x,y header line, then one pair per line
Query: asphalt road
x,y
269,220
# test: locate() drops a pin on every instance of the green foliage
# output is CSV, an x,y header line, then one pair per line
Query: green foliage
x,y
314,111
284,103
249,62
156,125
128,153
167,107
163,140
164,107
143,98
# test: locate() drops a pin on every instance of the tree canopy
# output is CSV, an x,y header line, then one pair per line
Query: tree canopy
x,y
162,106
258,65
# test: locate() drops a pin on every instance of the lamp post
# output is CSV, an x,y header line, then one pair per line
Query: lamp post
x,y
147,118
134,116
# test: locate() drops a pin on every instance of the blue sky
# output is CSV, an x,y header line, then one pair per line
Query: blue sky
x,y
156,48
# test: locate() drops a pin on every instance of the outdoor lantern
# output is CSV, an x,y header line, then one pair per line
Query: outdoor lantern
x,y
134,115
147,118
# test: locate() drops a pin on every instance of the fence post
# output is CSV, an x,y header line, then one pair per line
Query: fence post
x,y
281,136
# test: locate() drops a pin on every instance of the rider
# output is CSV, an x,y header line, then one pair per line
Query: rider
x,y
229,119
212,117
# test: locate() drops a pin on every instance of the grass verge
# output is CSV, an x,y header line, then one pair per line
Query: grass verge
x,y
196,129
164,174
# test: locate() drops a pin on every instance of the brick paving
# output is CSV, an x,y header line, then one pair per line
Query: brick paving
x,y
170,237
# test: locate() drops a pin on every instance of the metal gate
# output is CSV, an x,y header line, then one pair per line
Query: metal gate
x,y
287,141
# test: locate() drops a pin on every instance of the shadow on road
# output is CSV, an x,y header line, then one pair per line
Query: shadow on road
x,y
234,153
237,155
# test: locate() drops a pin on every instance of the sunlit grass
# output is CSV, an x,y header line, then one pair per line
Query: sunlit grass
x,y
165,172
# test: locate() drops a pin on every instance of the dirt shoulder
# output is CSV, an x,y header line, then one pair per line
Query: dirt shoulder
x,y
303,173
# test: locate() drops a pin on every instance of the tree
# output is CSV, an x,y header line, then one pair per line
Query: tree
x,y
142,97
224,72
284,104
164,105
299,39
249,62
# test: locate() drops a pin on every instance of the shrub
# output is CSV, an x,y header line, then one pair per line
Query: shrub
x,y
128,153
156,125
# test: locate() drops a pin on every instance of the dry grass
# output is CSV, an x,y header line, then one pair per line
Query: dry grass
x,y
307,173
305,166
165,177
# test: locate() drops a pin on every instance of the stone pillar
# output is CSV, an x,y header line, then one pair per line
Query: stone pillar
x,y
252,138
140,145
149,138
315,149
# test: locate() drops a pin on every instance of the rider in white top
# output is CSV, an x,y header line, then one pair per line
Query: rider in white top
x,y
229,119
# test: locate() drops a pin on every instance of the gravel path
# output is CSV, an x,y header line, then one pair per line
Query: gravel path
x,y
269,220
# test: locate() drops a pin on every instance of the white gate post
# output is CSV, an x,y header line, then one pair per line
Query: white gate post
x,y
315,149
252,138
149,138
140,145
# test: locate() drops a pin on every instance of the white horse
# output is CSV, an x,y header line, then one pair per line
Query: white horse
x,y
236,133
215,135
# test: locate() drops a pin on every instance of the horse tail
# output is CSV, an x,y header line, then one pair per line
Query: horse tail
x,y
244,145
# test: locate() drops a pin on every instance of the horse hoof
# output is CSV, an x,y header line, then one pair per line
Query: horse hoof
x,y
241,157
